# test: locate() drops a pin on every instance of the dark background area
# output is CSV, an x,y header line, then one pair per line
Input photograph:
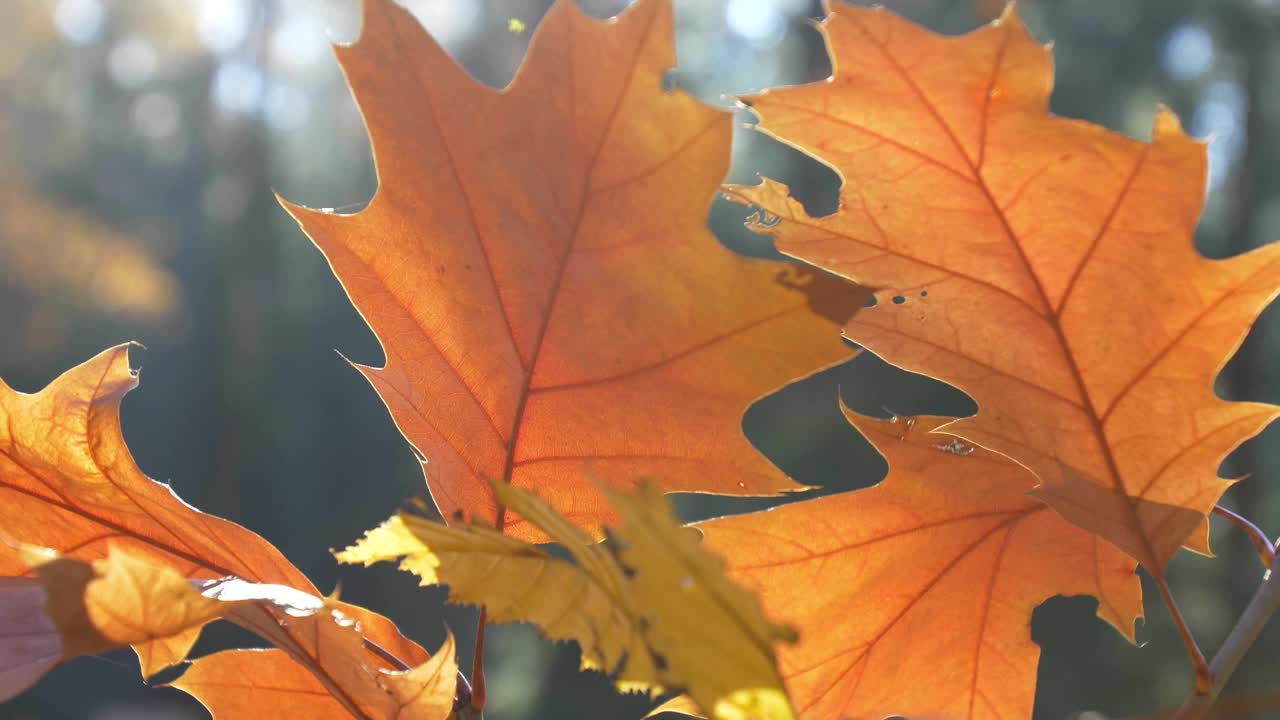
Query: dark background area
x,y
141,141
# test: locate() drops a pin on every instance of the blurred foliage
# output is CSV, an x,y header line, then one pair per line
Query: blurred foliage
x,y
140,144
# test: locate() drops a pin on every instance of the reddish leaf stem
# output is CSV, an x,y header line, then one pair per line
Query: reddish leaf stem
x,y
464,688
386,655
477,666
1204,678
1260,541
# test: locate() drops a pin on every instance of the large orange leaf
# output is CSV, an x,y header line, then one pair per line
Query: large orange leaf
x,y
536,265
914,597
69,483
1043,265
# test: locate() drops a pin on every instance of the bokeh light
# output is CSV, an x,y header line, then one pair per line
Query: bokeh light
x,y
1188,52
79,20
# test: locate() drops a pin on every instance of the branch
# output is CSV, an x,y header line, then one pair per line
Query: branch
x,y
1246,704
1265,603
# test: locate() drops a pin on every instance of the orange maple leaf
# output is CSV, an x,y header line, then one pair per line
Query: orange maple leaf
x,y
69,483
536,265
914,597
1043,265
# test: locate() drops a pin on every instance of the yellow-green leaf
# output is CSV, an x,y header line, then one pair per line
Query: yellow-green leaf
x,y
652,605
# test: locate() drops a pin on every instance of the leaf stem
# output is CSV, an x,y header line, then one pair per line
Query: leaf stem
x,y
464,688
1261,542
385,654
462,709
1204,678
1265,603
477,666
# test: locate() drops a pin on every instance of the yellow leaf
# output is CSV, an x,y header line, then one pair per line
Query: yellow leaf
x,y
651,606
518,582
709,631
682,704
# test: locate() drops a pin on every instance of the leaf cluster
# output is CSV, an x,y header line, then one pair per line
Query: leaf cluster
x,y
566,342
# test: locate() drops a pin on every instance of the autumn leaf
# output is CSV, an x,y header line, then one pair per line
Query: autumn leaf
x,y
651,606
81,608
426,691
235,684
69,483
73,608
238,684
537,267
914,597
680,704
1043,265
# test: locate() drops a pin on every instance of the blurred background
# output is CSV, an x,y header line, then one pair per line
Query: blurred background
x,y
141,142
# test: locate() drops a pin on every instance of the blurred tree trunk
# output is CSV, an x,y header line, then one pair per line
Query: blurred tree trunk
x,y
244,273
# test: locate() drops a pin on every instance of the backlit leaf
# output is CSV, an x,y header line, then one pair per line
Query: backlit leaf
x,y
81,608
537,267
236,684
914,597
1043,265
69,483
651,606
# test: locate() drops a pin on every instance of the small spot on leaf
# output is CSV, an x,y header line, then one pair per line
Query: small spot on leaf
x,y
956,447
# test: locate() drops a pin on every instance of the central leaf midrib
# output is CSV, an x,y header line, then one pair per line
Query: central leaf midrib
x,y
517,422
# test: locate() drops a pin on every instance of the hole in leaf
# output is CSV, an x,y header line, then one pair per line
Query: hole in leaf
x,y
670,80
761,219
